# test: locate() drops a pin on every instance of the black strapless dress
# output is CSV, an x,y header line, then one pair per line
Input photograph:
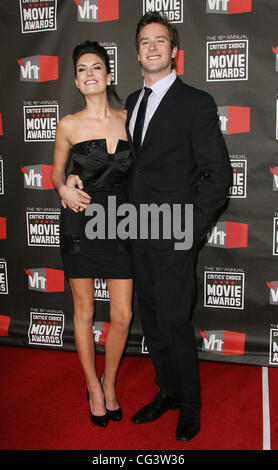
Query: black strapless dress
x,y
103,175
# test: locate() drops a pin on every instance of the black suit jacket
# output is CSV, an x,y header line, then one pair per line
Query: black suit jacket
x,y
183,158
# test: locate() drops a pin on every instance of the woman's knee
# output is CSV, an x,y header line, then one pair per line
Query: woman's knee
x,y
83,310
121,317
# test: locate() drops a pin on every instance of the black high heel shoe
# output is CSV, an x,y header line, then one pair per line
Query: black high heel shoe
x,y
97,420
113,415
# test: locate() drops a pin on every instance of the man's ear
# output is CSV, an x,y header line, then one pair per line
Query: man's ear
x,y
174,52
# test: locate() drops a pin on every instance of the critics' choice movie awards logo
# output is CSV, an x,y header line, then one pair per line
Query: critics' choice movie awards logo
x,y
43,228
224,289
228,235
173,9
273,347
100,290
38,68
229,7
45,279
234,119
275,235
223,342
38,16
239,185
97,11
37,177
277,119
40,122
227,60
46,328
3,277
112,51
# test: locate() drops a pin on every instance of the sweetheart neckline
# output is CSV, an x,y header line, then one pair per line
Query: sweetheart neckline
x,y
102,139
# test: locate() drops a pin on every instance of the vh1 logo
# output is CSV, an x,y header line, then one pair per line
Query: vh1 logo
x,y
180,62
4,325
97,11
274,172
275,51
37,177
3,227
229,7
45,279
228,235
234,119
273,292
38,68
223,342
100,330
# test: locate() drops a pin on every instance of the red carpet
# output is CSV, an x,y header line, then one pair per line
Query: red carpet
x,y
43,406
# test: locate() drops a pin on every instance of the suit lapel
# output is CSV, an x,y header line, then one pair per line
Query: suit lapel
x,y
130,108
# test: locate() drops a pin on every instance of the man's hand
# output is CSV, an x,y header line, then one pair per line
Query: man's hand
x,y
74,180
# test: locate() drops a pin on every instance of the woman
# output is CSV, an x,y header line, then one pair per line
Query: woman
x,y
96,141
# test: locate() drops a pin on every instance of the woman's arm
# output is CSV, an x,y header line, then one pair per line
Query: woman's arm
x,y
74,198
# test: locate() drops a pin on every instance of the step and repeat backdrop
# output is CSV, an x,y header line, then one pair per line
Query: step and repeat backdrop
x,y
228,48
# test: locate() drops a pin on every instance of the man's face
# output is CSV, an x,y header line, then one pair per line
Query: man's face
x,y
155,53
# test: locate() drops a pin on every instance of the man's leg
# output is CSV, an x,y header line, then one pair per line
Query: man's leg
x,y
175,291
145,291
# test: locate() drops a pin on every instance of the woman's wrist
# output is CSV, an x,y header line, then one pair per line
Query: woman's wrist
x,y
61,189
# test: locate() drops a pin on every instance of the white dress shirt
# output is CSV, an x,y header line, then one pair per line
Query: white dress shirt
x,y
159,89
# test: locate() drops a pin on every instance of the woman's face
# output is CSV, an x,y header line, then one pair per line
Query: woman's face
x,y
91,74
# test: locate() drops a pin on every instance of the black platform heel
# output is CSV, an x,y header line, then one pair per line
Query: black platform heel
x,y
97,420
113,415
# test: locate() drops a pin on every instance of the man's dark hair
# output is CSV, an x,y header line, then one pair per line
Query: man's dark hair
x,y
156,17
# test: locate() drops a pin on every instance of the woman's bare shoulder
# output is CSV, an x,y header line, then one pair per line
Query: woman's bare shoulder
x,y
67,124
68,120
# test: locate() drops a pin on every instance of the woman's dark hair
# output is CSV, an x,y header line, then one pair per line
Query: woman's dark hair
x,y
156,17
93,47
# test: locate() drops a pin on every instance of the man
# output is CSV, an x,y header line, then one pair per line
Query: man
x,y
180,158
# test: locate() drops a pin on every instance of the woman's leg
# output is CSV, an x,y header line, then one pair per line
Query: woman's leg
x,y
120,294
83,298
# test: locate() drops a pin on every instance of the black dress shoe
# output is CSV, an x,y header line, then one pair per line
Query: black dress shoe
x,y
155,409
114,415
188,423
101,420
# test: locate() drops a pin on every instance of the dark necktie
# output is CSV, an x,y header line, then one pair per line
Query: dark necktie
x,y
139,124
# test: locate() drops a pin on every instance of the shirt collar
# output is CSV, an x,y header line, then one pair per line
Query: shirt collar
x,y
161,86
